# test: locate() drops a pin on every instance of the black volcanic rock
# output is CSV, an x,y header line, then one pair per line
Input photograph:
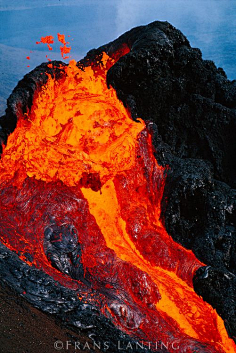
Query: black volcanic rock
x,y
25,329
214,285
84,321
190,107
190,100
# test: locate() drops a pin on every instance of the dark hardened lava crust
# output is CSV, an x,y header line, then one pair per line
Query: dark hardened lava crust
x,y
190,107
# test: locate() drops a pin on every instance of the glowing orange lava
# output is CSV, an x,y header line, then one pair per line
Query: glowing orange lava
x,y
64,49
47,40
79,143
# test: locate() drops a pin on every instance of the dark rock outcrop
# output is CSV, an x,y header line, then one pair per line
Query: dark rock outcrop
x,y
190,107
218,286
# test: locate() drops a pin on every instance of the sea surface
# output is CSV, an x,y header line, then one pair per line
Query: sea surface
x,y
208,24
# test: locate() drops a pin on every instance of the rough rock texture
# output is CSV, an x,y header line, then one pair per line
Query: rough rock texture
x,y
25,329
215,285
189,105
43,292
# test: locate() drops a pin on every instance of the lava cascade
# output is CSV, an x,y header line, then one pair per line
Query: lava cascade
x,y
81,195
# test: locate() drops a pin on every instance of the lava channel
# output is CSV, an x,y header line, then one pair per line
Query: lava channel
x,y
81,193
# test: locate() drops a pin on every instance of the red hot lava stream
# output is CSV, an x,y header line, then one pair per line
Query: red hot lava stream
x,y
78,172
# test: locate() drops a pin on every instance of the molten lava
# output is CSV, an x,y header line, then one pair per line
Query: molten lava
x,y
81,193
47,40
50,40
64,49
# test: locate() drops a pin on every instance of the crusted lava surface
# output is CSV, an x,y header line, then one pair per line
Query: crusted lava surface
x,y
189,108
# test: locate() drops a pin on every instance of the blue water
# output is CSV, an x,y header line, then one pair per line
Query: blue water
x,y
208,24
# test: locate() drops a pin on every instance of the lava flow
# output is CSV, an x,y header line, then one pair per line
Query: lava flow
x,y
81,194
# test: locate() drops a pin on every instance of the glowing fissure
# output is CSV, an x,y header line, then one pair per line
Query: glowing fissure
x,y
78,163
